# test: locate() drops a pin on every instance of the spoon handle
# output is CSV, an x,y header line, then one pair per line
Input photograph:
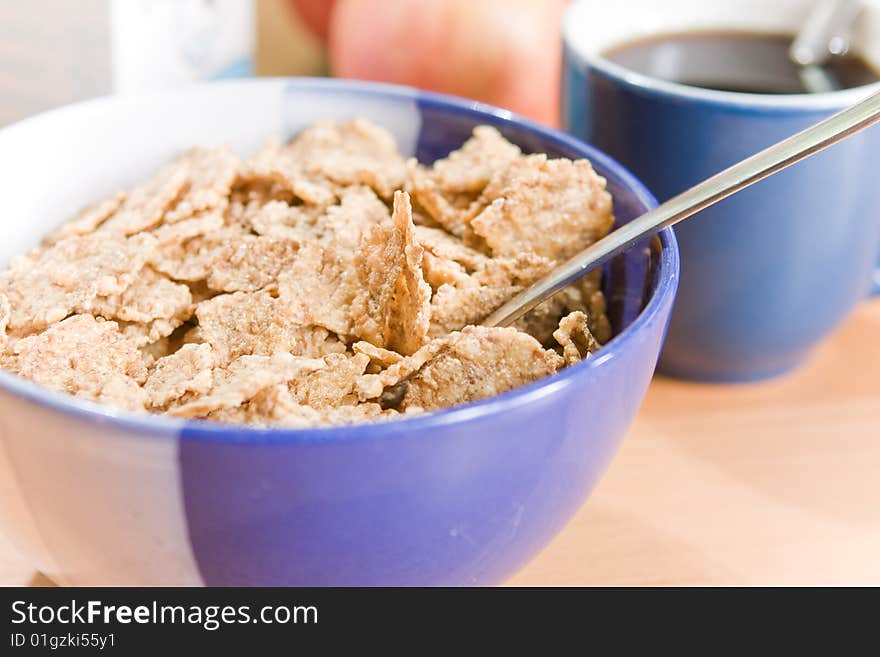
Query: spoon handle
x,y
721,185
825,32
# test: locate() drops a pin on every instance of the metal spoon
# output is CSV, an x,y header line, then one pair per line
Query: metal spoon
x,y
721,185
825,33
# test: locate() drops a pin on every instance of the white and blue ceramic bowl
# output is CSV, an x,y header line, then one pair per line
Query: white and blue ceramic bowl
x,y
94,495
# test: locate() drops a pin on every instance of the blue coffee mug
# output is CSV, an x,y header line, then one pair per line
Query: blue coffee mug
x,y
769,272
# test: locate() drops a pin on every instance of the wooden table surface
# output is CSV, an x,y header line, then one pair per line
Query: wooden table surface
x,y
770,483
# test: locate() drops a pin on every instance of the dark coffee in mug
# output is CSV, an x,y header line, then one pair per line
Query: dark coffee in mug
x,y
733,61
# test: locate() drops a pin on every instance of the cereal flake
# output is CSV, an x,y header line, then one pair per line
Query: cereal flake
x,y
471,167
84,356
378,355
246,377
318,288
392,308
575,338
146,204
246,323
70,276
353,153
333,384
552,207
477,363
499,279
251,263
88,219
210,174
188,371
151,296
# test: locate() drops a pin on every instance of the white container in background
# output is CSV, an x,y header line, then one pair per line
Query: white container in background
x,y
156,44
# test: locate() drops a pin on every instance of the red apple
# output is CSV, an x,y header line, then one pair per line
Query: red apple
x,y
504,52
315,14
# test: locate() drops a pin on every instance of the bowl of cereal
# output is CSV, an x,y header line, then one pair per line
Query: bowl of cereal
x,y
240,340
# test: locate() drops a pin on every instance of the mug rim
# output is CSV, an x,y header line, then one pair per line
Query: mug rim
x,y
195,429
648,84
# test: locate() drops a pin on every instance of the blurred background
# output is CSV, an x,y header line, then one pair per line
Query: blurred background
x,y
53,52
771,483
